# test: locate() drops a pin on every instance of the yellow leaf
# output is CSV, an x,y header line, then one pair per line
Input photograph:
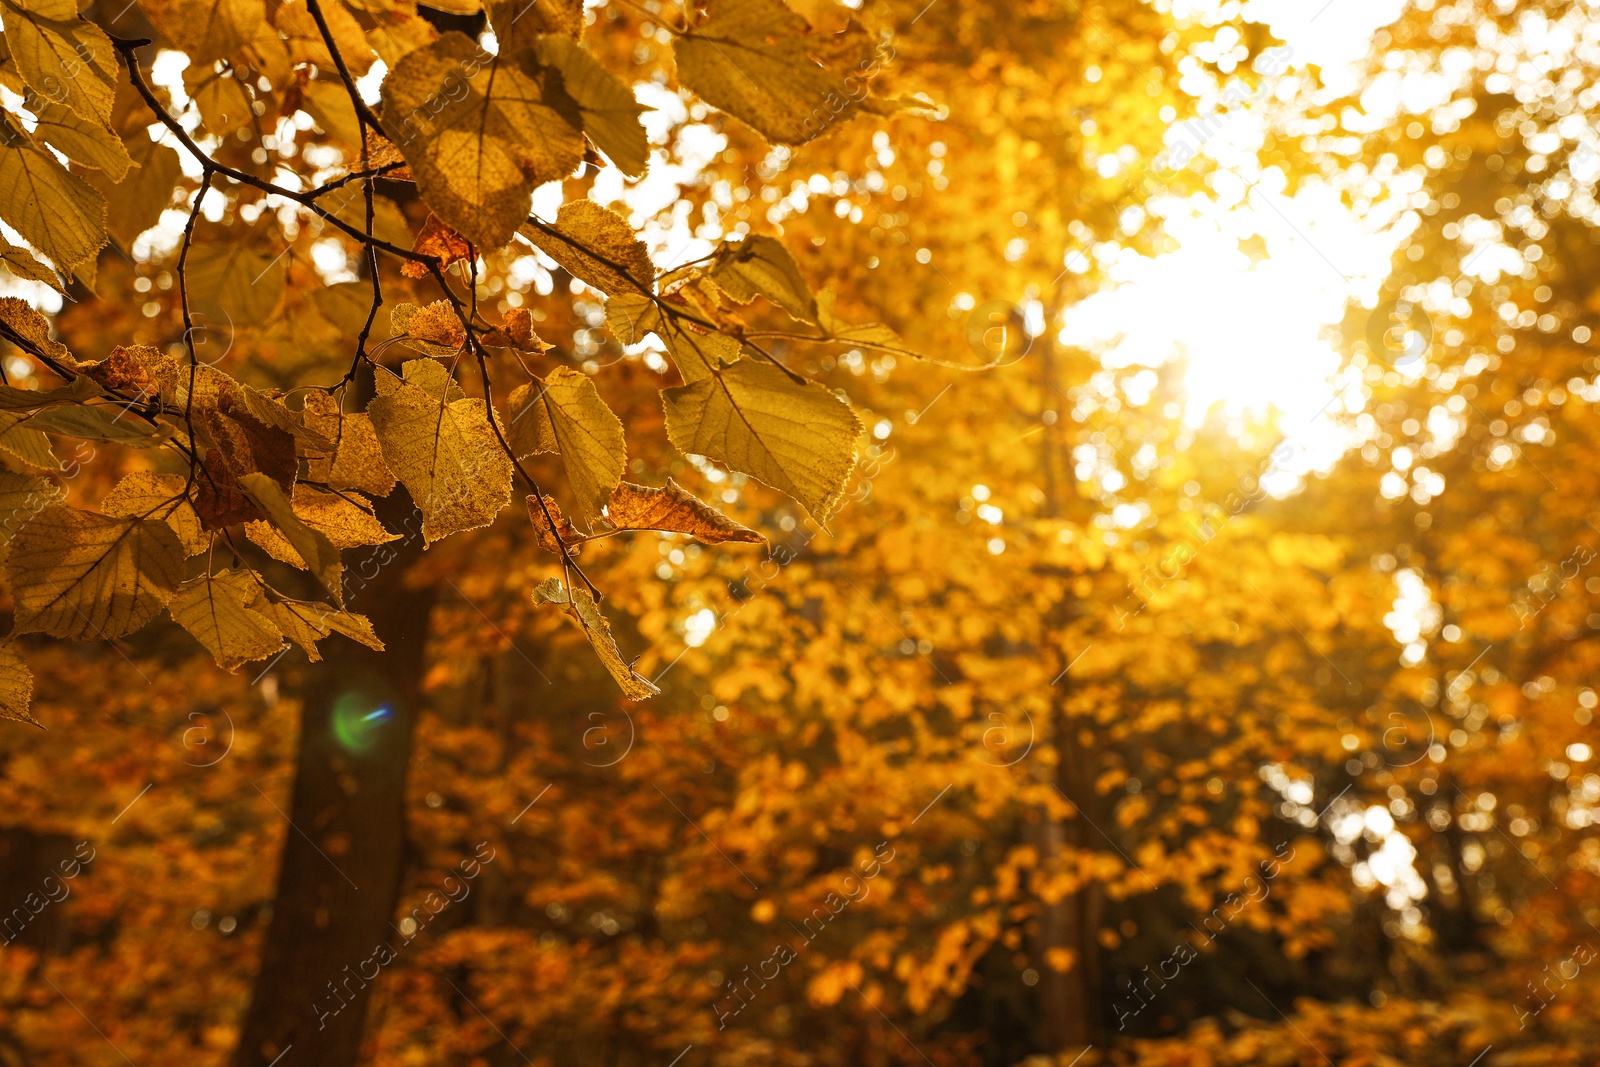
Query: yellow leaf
x,y
518,23
223,101
566,415
84,141
99,422
22,320
16,687
208,29
213,608
875,333
294,22
610,111
318,553
23,496
358,462
478,134
53,209
232,276
305,623
696,352
596,246
69,61
88,576
752,417
394,33
442,447
752,59
582,608
145,494
344,523
23,264
555,530
761,266
673,509
433,330
135,203
24,443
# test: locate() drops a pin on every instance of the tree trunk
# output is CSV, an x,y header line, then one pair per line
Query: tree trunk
x,y
1069,1002
343,857
1070,1009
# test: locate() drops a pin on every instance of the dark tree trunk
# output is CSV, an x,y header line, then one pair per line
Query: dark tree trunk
x,y
33,891
343,857
1069,1002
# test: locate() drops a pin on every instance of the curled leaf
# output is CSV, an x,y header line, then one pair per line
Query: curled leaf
x,y
581,607
673,509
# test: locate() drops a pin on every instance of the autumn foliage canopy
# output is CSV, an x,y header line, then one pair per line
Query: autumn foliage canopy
x,y
594,532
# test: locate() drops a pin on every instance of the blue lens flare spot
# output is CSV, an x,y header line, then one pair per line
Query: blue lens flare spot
x,y
357,724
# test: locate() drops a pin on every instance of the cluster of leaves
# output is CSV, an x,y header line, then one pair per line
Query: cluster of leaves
x,y
295,471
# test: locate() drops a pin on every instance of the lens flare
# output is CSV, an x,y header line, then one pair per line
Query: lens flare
x,y
357,724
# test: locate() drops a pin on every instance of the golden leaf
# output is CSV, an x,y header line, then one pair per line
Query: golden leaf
x,y
16,686
69,61
232,275
552,537
674,509
88,576
358,461
753,59
84,141
135,203
566,415
697,352
208,29
519,23
439,240
320,556
21,319
761,266
305,623
442,447
145,494
433,330
343,522
800,439
53,209
581,607
213,608
23,264
596,246
478,134
610,111
22,496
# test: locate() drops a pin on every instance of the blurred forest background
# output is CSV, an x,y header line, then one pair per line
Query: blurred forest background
x,y
1207,680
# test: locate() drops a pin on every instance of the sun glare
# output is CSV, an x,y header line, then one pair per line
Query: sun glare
x,y
1247,301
